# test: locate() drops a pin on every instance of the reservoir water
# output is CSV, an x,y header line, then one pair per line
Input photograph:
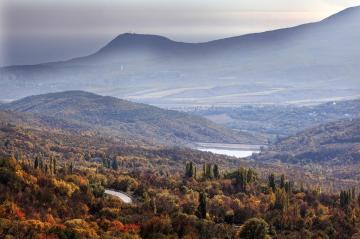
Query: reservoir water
x,y
233,150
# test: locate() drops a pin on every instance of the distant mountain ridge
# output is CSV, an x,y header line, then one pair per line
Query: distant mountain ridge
x,y
307,63
280,121
125,119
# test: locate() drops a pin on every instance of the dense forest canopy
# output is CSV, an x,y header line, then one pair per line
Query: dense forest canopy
x,y
53,183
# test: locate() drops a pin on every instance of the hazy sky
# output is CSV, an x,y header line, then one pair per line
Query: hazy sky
x,y
34,31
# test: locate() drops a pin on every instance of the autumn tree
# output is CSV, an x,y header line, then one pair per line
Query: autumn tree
x,y
255,228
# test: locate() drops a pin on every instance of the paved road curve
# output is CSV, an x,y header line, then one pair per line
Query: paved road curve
x,y
122,196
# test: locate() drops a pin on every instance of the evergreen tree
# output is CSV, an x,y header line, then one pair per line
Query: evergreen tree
x,y
208,172
36,163
190,171
345,198
50,166
353,193
242,179
195,173
271,182
216,171
282,181
115,164
281,200
250,175
54,166
302,187
71,168
288,187
202,209
187,170
41,164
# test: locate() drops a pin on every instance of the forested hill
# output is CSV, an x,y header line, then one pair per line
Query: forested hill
x,y
337,142
53,186
125,119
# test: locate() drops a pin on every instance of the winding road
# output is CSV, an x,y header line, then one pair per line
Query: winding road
x,y
121,195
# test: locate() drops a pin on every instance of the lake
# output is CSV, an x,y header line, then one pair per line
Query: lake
x,y
233,150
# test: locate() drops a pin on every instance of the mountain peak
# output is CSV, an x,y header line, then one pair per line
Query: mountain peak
x,y
140,37
351,13
134,41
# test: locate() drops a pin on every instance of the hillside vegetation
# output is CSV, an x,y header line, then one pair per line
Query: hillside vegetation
x,y
333,143
52,186
124,119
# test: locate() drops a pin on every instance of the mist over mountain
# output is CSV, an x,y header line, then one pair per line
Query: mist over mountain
x,y
277,121
307,64
127,120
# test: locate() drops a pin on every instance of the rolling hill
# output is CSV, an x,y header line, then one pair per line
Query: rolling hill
x,y
333,143
124,119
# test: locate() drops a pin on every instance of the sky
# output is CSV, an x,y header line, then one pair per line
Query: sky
x,y
35,31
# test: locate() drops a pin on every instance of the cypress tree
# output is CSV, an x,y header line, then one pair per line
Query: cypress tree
x,y
202,209
345,197
36,163
187,170
41,164
194,174
190,170
281,200
54,165
250,175
216,171
288,187
282,181
50,166
46,168
115,164
271,182
71,168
